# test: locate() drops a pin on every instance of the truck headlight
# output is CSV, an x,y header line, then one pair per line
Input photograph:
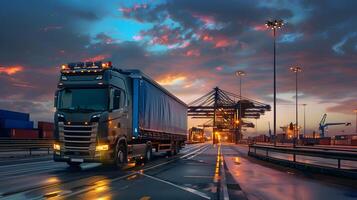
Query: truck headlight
x,y
56,147
104,147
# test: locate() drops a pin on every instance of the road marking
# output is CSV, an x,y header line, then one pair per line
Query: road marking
x,y
223,179
30,163
198,153
132,173
44,168
187,189
198,176
67,194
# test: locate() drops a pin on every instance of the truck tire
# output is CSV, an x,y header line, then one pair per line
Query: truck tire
x,y
120,156
148,154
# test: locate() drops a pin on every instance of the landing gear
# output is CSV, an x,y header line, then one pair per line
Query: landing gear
x,y
174,149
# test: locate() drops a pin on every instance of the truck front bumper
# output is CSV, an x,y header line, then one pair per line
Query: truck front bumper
x,y
100,157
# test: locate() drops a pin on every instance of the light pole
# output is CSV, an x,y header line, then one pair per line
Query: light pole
x,y
296,70
355,111
304,119
239,74
274,25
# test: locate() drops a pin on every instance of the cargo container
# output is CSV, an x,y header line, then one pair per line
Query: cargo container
x,y
324,141
12,123
6,114
20,133
46,134
105,114
49,126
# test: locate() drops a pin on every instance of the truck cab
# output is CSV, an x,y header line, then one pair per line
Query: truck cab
x,y
92,113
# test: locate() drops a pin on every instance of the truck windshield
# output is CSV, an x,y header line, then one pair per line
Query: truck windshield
x,y
83,99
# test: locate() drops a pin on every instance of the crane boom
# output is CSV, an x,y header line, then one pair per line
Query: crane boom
x,y
323,125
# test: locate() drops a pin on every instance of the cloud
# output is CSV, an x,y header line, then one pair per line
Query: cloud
x,y
10,70
203,42
345,106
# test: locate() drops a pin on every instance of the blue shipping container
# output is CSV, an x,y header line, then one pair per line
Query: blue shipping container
x,y
11,123
6,114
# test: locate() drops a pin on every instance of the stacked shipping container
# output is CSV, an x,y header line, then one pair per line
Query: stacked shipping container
x,y
45,129
18,125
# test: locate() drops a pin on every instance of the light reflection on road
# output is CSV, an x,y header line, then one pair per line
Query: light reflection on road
x,y
260,182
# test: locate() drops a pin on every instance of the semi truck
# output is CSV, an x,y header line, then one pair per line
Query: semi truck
x,y
114,116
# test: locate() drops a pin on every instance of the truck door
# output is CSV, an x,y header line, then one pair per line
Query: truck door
x,y
118,116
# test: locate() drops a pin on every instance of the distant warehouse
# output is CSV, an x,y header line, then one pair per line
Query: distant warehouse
x,y
17,125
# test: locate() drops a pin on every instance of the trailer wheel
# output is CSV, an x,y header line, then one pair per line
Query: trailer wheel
x,y
120,156
148,153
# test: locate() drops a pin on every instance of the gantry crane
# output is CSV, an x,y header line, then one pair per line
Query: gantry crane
x,y
323,125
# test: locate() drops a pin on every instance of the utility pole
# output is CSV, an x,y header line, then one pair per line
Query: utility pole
x,y
355,111
214,115
240,74
296,70
274,25
304,119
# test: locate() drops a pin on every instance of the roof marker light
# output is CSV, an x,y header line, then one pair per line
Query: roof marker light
x,y
64,67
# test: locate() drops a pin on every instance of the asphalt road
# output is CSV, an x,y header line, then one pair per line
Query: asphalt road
x,y
200,171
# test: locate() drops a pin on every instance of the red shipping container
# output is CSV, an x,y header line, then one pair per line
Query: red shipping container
x,y
46,134
324,141
24,133
49,126
354,142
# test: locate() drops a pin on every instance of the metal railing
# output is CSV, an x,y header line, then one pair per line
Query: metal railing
x,y
30,145
335,154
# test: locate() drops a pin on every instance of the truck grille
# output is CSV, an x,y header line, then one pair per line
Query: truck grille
x,y
78,138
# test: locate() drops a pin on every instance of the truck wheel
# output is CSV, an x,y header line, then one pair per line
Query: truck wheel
x,y
148,154
120,156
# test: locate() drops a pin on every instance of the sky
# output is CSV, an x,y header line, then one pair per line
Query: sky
x,y
189,47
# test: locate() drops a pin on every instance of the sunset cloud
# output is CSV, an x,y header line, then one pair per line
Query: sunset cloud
x,y
169,80
188,46
11,70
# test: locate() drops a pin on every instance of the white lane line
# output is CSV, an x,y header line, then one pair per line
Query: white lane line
x,y
30,163
130,174
187,189
44,168
198,153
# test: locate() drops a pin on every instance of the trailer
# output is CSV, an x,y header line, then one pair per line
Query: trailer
x,y
109,115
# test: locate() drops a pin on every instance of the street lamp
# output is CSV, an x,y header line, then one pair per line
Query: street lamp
x,y
239,74
274,25
355,111
296,70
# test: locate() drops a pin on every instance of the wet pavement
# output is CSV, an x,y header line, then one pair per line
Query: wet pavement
x,y
200,171
260,181
189,175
